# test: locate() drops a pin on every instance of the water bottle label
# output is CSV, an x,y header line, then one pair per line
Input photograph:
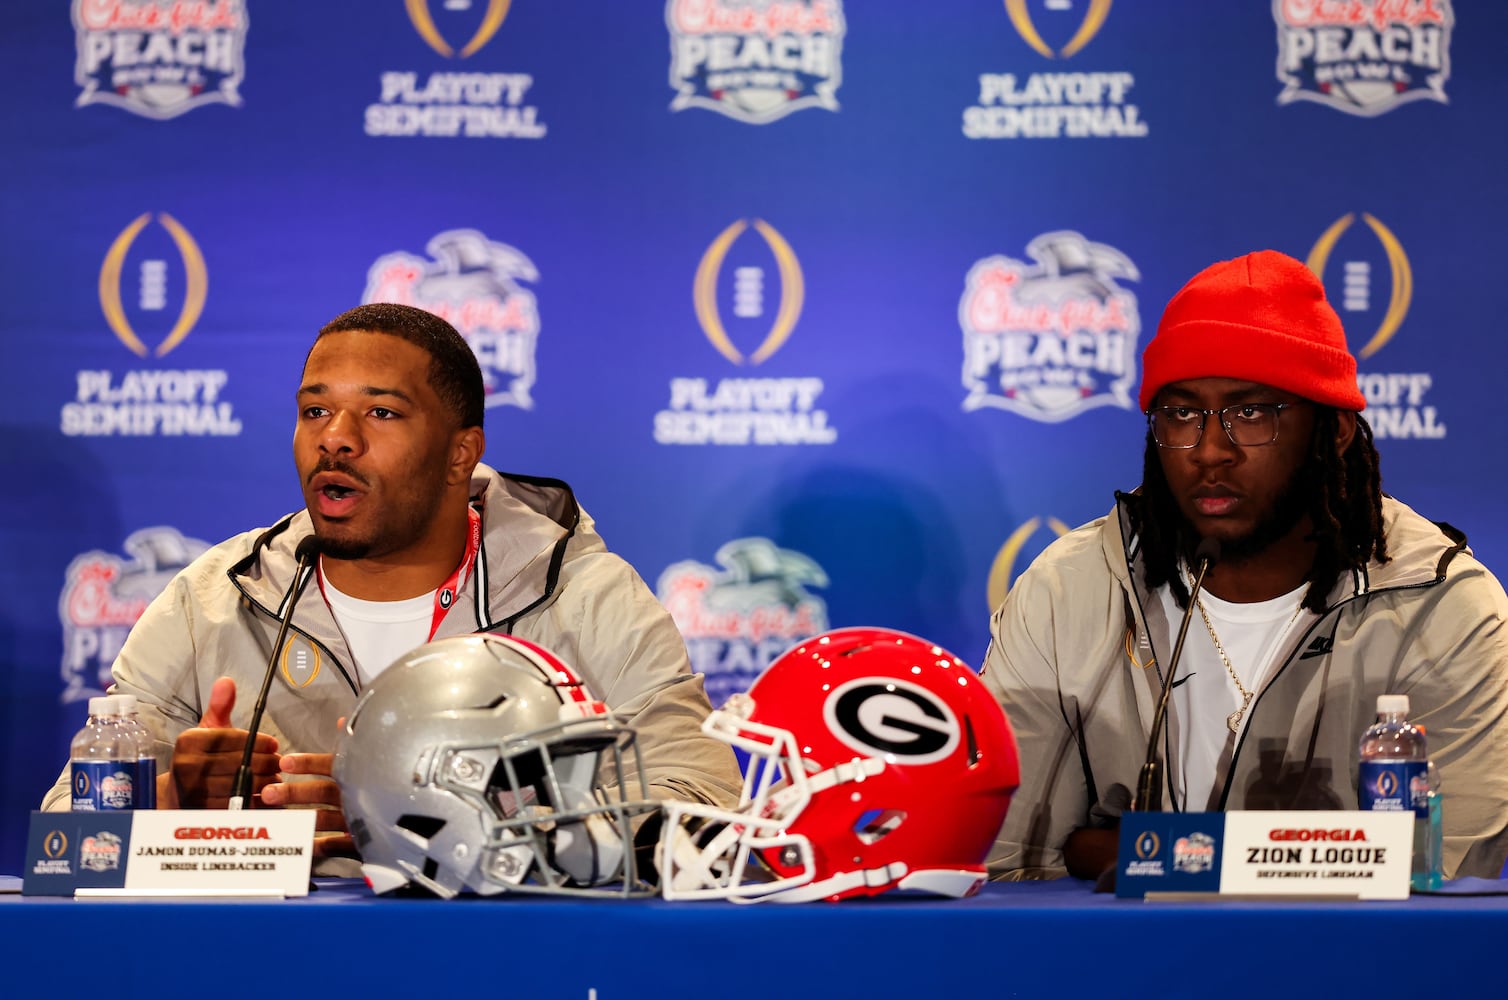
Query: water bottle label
x,y
1397,786
146,783
104,785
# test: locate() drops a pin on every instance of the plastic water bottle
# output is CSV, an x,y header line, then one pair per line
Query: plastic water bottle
x,y
103,760
1436,828
146,757
1394,777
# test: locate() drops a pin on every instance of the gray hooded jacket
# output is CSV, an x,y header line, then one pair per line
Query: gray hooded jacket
x,y
543,574
1075,659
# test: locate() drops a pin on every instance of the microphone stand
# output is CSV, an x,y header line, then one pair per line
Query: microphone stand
x,y
1149,783
307,552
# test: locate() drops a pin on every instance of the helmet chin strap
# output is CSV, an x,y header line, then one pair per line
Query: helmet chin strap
x,y
854,770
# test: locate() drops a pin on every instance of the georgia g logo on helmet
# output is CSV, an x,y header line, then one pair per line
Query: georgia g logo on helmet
x,y
881,716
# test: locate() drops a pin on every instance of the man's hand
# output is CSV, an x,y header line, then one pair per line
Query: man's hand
x,y
1090,852
319,791
207,757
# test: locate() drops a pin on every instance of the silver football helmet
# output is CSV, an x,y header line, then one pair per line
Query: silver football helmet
x,y
482,763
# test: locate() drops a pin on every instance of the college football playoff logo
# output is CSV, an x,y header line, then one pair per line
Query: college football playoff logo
x,y
1003,570
1094,19
153,284
424,24
1356,295
748,293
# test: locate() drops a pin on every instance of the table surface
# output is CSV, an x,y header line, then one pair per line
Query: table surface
x,y
1019,939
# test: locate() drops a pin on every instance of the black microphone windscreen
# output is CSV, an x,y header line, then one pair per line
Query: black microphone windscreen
x,y
308,548
1209,549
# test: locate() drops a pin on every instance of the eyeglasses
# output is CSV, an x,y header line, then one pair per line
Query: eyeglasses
x,y
1248,425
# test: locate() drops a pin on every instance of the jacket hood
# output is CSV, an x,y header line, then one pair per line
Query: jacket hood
x,y
518,565
1419,551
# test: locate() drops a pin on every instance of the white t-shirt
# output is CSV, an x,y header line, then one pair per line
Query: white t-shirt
x,y
378,632
1253,636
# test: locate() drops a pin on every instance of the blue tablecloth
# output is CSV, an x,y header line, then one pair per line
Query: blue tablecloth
x,y
1017,940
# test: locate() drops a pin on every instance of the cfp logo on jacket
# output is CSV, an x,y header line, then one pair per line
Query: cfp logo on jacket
x,y
1003,569
747,296
159,58
300,662
1369,281
102,597
755,60
478,105
477,285
739,615
1364,57
153,285
1055,104
1051,338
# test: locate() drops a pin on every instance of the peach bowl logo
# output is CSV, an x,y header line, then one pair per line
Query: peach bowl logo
x,y
424,23
1369,280
101,852
102,597
1052,338
159,58
742,411
739,615
1363,57
477,285
1003,569
1194,854
755,60
153,285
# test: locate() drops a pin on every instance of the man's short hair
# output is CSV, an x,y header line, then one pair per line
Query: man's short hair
x,y
454,373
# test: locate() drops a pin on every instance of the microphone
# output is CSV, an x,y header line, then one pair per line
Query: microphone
x,y
1149,784
306,553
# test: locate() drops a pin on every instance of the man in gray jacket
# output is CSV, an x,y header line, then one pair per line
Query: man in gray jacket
x,y
417,541
1326,594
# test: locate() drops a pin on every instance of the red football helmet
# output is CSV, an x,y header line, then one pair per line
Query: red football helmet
x,y
877,761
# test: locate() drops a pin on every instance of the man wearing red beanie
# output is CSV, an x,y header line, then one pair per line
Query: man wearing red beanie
x,y
1324,594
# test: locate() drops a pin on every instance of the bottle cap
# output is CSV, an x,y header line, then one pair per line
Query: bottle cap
x,y
1392,704
103,705
125,704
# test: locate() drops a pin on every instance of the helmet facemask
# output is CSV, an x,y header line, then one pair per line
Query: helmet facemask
x,y
485,766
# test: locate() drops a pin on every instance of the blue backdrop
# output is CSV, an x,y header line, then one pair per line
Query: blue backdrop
x,y
830,312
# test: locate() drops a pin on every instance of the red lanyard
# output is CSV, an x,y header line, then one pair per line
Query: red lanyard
x,y
451,588
445,597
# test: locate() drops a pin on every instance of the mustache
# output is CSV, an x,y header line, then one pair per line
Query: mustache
x,y
335,465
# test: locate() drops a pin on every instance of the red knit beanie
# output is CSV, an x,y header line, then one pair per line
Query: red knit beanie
x,y
1260,318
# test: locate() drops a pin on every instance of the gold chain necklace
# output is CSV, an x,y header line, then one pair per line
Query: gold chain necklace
x,y
1233,720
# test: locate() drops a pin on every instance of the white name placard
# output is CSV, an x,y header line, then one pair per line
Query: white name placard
x,y
1362,854
198,852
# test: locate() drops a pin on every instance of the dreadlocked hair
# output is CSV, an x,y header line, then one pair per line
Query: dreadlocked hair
x,y
1345,509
